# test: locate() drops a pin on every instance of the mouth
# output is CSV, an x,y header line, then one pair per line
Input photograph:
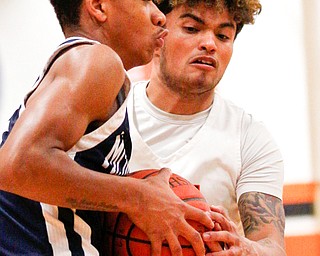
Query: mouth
x,y
205,61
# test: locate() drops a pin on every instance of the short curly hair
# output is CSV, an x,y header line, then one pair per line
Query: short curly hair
x,y
243,11
67,12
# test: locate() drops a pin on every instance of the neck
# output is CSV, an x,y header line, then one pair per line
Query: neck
x,y
173,101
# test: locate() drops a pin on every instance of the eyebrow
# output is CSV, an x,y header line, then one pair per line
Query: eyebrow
x,y
192,16
201,21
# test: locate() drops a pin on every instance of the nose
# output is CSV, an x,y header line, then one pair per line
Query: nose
x,y
208,43
158,18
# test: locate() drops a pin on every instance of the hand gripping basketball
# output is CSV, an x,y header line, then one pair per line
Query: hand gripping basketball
x,y
125,238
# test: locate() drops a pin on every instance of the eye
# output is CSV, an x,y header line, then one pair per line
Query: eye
x,y
191,29
223,37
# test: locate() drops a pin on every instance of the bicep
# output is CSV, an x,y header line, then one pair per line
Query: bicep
x,y
78,90
48,122
262,216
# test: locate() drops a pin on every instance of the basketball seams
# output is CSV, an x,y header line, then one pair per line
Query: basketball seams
x,y
137,176
139,240
190,199
128,238
114,233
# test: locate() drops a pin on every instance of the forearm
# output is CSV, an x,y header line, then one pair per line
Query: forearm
x,y
266,247
54,178
263,221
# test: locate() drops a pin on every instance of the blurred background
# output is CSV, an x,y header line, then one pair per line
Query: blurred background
x,y
274,75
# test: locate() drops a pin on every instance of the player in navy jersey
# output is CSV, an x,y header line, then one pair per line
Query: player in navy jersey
x,y
71,132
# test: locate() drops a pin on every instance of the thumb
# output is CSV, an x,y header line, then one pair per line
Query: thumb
x,y
165,174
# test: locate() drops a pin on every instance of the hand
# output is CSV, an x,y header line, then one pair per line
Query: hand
x,y
162,216
225,232
213,245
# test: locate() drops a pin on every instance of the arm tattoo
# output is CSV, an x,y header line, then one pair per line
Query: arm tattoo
x,y
88,205
259,209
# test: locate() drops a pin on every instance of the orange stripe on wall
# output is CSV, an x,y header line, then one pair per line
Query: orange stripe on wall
x,y
299,193
307,245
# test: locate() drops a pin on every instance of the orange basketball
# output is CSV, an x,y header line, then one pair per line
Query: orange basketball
x,y
124,238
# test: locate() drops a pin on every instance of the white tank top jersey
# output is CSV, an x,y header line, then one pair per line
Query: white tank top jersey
x,y
34,228
227,152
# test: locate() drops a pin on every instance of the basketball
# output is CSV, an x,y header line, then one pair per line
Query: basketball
x,y
123,238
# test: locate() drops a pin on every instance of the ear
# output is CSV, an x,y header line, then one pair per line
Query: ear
x,y
97,9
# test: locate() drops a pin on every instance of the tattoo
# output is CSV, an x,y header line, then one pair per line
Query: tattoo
x,y
259,209
266,242
89,205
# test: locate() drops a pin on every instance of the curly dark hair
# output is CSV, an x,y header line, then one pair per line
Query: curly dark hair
x,y
243,11
68,12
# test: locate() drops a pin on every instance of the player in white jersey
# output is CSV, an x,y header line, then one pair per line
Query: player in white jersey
x,y
71,132
178,121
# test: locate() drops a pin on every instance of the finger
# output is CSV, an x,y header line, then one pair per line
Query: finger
x,y
225,222
156,248
217,227
196,214
214,246
221,236
220,209
198,244
194,238
165,173
174,245
220,221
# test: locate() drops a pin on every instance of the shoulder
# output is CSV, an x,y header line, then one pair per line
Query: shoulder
x,y
96,66
246,121
93,74
228,107
231,115
95,61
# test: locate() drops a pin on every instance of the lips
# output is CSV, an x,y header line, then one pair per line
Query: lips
x,y
205,60
160,37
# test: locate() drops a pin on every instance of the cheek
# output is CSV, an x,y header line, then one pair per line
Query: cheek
x,y
175,60
226,56
176,52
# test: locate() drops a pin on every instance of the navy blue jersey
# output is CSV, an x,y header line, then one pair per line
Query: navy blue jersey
x,y
33,228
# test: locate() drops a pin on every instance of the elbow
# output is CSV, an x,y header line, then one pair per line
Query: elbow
x,y
15,169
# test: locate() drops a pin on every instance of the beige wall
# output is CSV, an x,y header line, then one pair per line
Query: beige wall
x,y
312,43
28,33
